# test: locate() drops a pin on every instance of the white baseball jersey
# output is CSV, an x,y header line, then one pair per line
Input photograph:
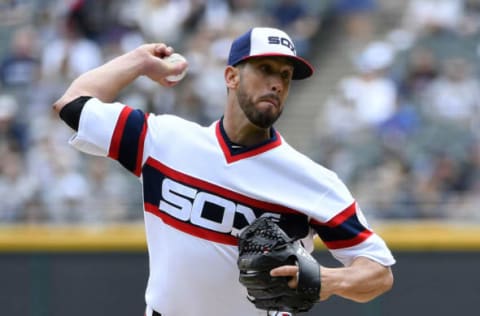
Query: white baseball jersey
x,y
199,192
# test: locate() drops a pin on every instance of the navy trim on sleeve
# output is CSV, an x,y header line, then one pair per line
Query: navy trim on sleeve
x,y
70,113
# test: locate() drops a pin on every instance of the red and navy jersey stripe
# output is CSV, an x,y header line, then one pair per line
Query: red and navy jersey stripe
x,y
128,139
342,231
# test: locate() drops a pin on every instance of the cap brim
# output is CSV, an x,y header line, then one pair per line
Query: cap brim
x,y
302,69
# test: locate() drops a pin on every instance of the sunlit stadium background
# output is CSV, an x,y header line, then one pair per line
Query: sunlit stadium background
x,y
393,108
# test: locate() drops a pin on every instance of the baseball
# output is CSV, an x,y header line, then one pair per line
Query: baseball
x,y
175,58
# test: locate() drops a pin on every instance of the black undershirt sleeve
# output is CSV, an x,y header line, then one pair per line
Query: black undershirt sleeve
x,y
70,113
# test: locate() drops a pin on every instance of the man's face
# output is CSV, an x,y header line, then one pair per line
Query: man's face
x,y
263,87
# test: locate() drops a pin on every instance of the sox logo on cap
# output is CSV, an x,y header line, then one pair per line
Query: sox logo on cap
x,y
276,40
268,42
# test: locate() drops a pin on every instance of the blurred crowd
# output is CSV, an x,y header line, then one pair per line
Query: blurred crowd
x,y
46,44
403,128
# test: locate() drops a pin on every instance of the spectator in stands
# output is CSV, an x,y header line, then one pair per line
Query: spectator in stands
x,y
393,178
13,134
439,25
294,17
109,194
18,189
435,185
20,67
428,16
71,53
468,185
247,11
455,95
163,19
372,92
420,69
66,195
356,18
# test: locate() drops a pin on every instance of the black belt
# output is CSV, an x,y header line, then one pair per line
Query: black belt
x,y
156,314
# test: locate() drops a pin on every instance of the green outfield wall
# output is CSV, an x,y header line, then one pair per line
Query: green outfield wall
x,y
99,271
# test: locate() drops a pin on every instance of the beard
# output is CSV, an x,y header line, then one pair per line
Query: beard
x,y
262,119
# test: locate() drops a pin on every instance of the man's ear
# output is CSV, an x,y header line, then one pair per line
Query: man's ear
x,y
232,77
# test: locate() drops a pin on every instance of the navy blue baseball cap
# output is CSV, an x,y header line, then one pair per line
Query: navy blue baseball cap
x,y
267,42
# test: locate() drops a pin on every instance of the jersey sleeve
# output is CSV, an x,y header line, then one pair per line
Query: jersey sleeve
x,y
114,130
348,236
346,233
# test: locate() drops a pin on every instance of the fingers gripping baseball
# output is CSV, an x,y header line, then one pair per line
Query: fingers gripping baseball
x,y
161,67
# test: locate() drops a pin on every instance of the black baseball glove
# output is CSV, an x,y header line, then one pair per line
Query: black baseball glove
x,y
263,246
